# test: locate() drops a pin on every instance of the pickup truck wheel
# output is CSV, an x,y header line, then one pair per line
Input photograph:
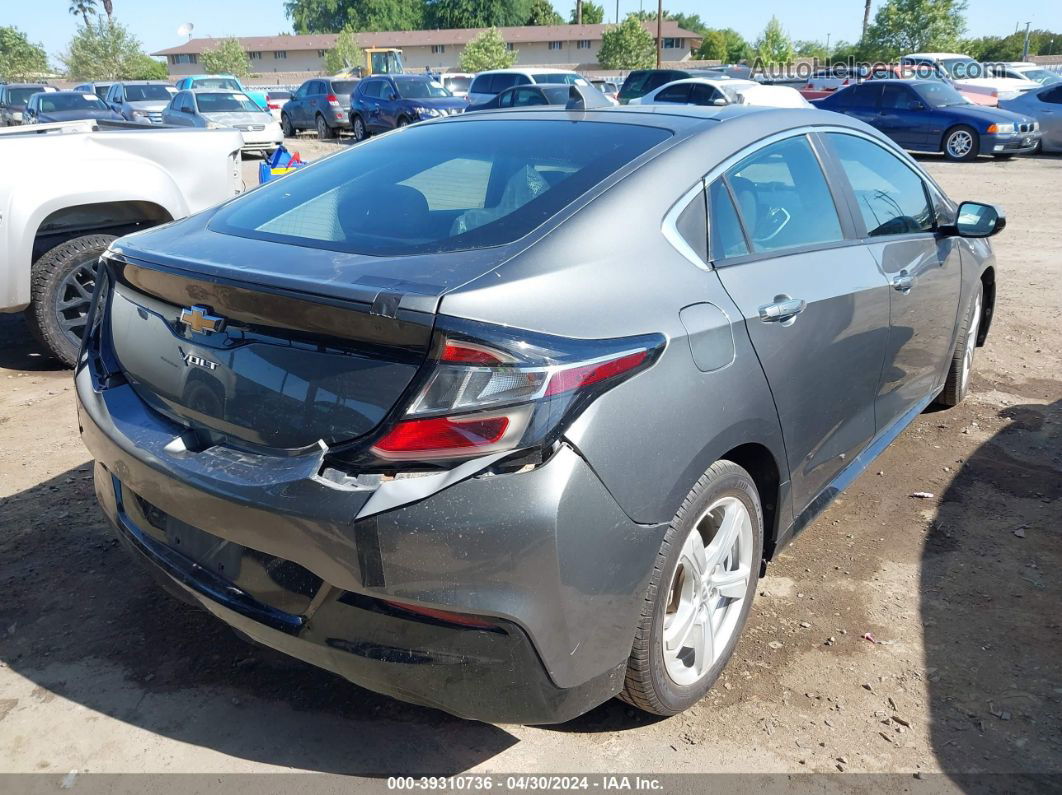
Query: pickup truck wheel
x,y
699,595
324,132
63,279
957,385
285,126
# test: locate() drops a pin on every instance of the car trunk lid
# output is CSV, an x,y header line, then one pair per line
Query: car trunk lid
x,y
278,346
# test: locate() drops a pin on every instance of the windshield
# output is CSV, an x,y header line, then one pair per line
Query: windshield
x,y
226,83
20,96
409,88
1041,76
52,102
141,93
457,83
226,103
438,187
101,91
941,95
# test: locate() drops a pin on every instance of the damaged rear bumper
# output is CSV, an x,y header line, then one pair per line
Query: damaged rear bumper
x,y
545,560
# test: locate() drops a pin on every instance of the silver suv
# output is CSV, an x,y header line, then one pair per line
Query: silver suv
x,y
140,100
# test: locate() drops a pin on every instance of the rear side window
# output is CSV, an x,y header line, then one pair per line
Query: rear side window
x,y
440,187
692,226
783,197
344,88
727,239
634,85
679,93
865,95
504,81
892,198
481,85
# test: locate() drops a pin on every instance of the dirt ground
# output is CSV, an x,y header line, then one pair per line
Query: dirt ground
x,y
897,634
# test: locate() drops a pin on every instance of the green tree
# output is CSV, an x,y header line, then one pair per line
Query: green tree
x,y
19,58
227,58
627,45
691,22
345,55
593,14
773,47
476,13
144,67
543,13
486,51
903,26
737,49
811,49
330,16
104,51
713,47
83,8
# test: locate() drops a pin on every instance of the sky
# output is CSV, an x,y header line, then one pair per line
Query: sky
x,y
155,22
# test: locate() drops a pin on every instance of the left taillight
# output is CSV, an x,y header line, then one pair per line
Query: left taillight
x,y
489,389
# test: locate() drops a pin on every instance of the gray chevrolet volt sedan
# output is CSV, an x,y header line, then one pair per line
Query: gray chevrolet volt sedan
x,y
423,414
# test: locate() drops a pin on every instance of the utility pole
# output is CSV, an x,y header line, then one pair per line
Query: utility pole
x,y
578,12
617,12
866,19
1025,49
659,32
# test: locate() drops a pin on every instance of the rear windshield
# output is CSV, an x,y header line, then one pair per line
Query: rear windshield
x,y
227,102
278,95
457,83
225,83
439,187
135,93
344,88
54,102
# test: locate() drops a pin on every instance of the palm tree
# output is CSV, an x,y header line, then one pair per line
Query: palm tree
x,y
866,18
108,6
84,8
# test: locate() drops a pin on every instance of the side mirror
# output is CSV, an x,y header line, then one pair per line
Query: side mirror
x,y
979,220
718,101
392,96
917,105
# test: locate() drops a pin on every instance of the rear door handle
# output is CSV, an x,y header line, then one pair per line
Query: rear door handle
x,y
903,282
782,310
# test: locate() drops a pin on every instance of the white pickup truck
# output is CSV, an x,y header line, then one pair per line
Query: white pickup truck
x,y
68,189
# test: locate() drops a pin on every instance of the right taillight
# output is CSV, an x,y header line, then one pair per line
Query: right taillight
x,y
490,389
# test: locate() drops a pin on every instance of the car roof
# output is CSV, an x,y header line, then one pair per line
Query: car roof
x,y
27,85
530,71
142,82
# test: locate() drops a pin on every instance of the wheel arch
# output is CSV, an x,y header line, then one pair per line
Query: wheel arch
x,y
758,460
96,217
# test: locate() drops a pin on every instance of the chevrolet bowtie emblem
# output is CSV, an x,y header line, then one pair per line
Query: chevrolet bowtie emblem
x,y
199,319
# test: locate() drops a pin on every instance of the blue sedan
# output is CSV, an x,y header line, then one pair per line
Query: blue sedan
x,y
931,116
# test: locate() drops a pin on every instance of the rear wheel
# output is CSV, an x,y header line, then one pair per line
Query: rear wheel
x,y
402,121
961,143
62,283
286,126
699,594
358,126
957,385
324,132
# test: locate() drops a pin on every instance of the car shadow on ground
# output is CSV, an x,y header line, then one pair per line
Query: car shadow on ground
x,y
19,350
990,596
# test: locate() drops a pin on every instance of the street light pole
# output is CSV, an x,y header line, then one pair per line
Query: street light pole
x,y
1025,49
659,32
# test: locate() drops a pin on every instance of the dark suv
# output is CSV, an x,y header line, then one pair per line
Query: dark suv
x,y
641,81
320,104
384,102
13,99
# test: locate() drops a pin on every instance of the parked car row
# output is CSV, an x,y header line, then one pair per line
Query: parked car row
x,y
931,116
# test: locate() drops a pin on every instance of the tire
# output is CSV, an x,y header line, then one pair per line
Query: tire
x,y
665,682
357,125
962,144
62,280
286,126
957,384
324,132
402,121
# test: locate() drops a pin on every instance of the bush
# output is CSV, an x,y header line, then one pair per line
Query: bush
x,y
487,51
627,46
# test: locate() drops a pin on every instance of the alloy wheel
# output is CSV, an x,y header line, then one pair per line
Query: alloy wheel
x,y
708,589
73,298
960,143
359,129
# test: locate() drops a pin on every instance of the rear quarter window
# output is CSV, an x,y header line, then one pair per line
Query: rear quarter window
x,y
443,187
